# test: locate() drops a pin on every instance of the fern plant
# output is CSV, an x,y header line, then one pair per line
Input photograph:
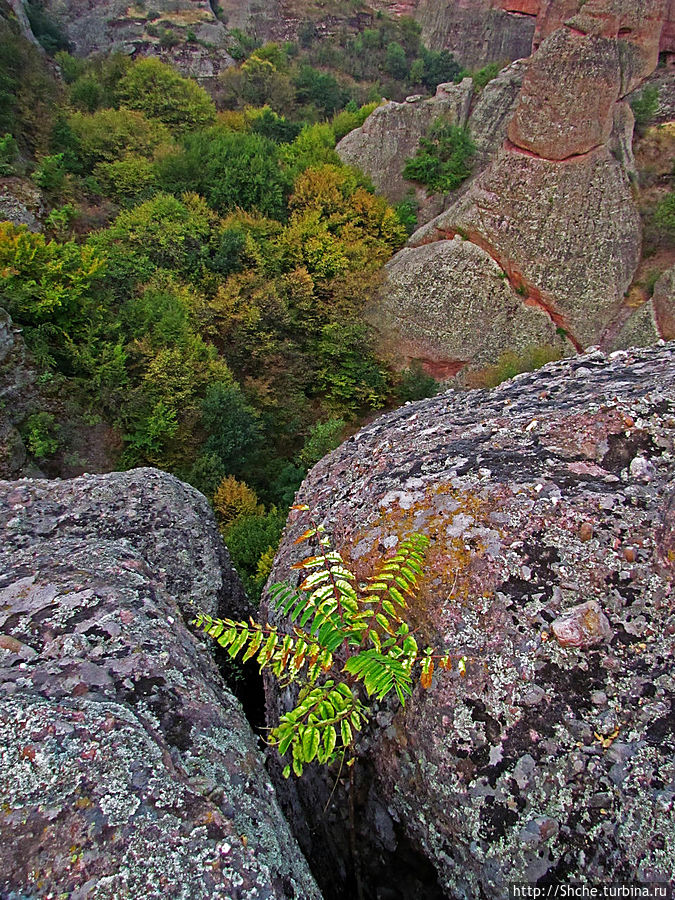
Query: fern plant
x,y
348,644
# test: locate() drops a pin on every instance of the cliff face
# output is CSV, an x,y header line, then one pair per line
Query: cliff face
x,y
550,507
129,769
553,214
484,31
104,26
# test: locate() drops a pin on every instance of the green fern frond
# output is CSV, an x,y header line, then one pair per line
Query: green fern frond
x,y
321,726
361,633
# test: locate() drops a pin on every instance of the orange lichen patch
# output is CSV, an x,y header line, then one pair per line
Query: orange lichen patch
x,y
454,562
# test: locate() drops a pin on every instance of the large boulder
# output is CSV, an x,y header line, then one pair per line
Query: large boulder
x,y
550,505
565,234
470,312
129,769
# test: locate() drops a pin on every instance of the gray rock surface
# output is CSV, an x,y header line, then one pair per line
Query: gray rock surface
x,y
391,135
476,32
104,26
448,303
569,231
21,203
493,110
664,304
129,768
551,497
17,395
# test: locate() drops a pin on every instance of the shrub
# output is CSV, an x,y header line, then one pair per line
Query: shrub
x,y
645,106
406,211
664,214
511,363
415,384
346,646
155,89
109,134
51,174
233,426
233,499
443,161
129,180
323,437
250,538
9,154
40,434
485,75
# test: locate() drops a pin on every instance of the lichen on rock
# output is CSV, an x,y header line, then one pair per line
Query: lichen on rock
x,y
129,768
549,500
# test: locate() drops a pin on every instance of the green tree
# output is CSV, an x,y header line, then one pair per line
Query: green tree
x,y
443,160
396,63
233,426
154,88
110,134
231,169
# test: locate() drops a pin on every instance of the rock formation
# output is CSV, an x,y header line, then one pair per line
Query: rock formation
x,y
554,210
391,134
129,769
136,29
485,31
21,203
17,396
550,506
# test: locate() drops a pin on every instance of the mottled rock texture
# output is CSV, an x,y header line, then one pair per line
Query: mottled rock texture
x,y
555,206
493,111
129,769
550,499
103,26
21,203
483,31
476,31
663,300
448,302
17,396
391,134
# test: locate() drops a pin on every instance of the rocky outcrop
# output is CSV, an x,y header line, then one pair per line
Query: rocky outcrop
x,y
185,33
391,135
447,302
555,208
129,768
17,396
21,203
550,506
663,300
476,31
493,111
485,31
